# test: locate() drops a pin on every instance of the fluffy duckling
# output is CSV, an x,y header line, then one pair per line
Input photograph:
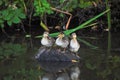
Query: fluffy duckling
x,y
74,45
62,41
46,40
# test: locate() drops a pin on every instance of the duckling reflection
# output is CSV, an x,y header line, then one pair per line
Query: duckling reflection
x,y
47,40
62,41
48,76
74,45
55,70
70,73
63,76
75,72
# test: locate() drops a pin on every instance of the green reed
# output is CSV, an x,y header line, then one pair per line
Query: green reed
x,y
84,25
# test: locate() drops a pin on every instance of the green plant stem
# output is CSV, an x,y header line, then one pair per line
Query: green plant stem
x,y
108,15
89,21
40,5
109,26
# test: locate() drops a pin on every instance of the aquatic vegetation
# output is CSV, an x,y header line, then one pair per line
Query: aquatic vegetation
x,y
24,74
8,50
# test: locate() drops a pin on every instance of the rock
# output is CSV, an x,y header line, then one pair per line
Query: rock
x,y
55,54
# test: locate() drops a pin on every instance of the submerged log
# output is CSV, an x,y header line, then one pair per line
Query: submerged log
x,y
55,54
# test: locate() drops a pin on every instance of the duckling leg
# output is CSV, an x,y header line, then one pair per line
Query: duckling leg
x,y
76,54
64,50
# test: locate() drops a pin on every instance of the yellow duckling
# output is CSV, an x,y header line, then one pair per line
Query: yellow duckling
x,y
74,45
62,41
47,40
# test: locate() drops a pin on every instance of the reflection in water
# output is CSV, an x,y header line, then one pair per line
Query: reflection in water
x,y
48,76
63,76
75,72
54,66
95,64
109,42
60,71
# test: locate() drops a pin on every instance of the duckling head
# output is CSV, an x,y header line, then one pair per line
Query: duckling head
x,y
45,34
61,35
74,36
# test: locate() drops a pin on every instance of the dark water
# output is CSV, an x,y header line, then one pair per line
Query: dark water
x,y
102,63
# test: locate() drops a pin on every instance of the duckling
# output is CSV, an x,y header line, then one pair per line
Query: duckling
x,y
62,41
74,45
47,40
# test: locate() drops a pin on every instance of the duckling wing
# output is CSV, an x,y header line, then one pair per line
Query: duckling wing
x,y
44,41
58,42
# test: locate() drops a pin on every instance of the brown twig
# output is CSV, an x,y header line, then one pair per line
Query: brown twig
x,y
65,12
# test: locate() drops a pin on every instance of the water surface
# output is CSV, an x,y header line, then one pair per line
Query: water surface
x,y
99,63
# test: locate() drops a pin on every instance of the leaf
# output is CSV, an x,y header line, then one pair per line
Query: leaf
x,y
22,16
9,16
19,12
5,13
16,20
44,26
9,23
85,4
61,1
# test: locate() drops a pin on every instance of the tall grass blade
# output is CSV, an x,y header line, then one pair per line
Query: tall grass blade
x,y
87,43
68,32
